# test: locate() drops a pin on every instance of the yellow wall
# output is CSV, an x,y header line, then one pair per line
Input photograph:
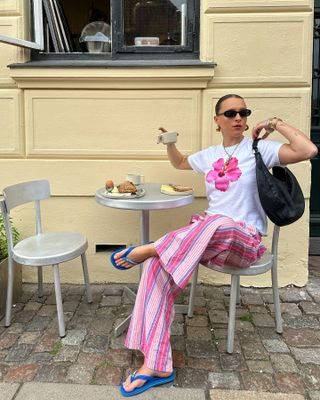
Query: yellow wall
x,y
77,127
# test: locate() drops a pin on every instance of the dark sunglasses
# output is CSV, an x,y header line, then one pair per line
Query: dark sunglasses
x,y
245,112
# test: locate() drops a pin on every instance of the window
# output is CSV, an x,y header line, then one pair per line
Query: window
x,y
113,29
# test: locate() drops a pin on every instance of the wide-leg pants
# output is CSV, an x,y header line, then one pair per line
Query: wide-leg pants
x,y
210,240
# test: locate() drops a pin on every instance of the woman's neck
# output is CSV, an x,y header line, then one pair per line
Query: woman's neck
x,y
227,141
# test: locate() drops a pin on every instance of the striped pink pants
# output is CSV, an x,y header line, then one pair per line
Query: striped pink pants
x,y
209,240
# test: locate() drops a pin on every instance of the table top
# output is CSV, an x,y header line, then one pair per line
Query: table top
x,y
152,200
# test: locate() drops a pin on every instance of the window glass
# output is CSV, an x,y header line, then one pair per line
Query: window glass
x,y
154,22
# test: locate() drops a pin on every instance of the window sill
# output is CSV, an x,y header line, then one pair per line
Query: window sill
x,y
112,75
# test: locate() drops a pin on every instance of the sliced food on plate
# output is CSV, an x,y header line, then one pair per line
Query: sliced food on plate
x,y
176,190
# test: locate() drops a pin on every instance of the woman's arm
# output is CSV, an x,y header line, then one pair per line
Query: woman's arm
x,y
177,159
299,147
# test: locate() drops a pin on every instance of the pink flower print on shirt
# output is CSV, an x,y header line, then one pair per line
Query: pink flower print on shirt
x,y
223,173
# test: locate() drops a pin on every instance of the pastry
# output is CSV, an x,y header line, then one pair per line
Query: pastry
x,y
127,187
180,188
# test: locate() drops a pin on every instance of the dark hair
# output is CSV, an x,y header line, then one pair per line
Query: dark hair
x,y
223,98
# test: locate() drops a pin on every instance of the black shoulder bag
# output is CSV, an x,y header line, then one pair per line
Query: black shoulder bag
x,y
280,194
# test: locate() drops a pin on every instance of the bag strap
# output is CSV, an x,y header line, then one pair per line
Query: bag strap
x,y
255,146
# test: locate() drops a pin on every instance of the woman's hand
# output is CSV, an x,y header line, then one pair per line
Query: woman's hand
x,y
266,125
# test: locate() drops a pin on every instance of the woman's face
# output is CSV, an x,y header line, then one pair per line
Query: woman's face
x,y
231,127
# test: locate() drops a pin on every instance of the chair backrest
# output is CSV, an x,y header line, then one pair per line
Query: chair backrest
x,y
26,192
19,194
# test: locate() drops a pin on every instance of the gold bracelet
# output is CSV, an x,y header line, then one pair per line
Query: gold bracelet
x,y
272,123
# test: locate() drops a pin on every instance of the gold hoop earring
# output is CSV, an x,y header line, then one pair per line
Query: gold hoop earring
x,y
246,128
218,129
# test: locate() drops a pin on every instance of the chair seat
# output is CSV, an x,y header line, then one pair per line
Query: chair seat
x,y
50,248
259,267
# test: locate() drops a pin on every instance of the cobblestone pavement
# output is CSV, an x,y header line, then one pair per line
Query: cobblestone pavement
x,y
263,361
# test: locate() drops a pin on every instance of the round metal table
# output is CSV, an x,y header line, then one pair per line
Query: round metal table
x,y
152,200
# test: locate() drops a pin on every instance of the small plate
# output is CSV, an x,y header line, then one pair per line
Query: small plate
x,y
124,196
167,189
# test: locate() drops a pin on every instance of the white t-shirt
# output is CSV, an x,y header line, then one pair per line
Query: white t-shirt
x,y
232,189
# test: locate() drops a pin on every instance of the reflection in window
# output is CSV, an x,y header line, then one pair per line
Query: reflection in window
x,y
155,22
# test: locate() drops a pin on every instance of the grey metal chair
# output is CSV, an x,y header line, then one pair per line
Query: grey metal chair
x,y
42,249
267,262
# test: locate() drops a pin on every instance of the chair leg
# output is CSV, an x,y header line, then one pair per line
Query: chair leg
x,y
238,293
193,292
40,282
276,301
86,277
57,287
235,282
9,291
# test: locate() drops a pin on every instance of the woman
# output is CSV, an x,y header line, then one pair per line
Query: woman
x,y
229,232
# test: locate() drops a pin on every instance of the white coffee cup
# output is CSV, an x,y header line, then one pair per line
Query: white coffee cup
x,y
136,179
168,137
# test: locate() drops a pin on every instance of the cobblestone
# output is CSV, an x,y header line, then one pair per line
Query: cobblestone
x,y
263,361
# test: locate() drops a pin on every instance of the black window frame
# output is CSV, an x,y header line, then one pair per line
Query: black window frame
x,y
121,52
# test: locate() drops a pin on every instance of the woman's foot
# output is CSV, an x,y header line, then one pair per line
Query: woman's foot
x,y
137,255
130,386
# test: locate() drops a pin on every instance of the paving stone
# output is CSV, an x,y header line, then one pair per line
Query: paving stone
x,y
101,326
40,358
110,301
96,344
269,333
223,343
67,353
293,295
191,378
197,320
108,376
232,362
15,327
80,373
287,308
252,299
224,380
306,356
200,350
258,381
46,342
179,359
275,346
283,363
310,374
253,349
314,395
91,358
199,333
177,329
257,309
244,326
118,358
207,364
52,373
251,395
7,340
38,324
29,337
218,317
259,366
289,383
301,338
113,291
19,352
74,337
310,308
178,343
32,305
263,320
21,373
216,305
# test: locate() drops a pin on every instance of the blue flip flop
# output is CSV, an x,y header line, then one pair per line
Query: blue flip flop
x,y
123,257
151,381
